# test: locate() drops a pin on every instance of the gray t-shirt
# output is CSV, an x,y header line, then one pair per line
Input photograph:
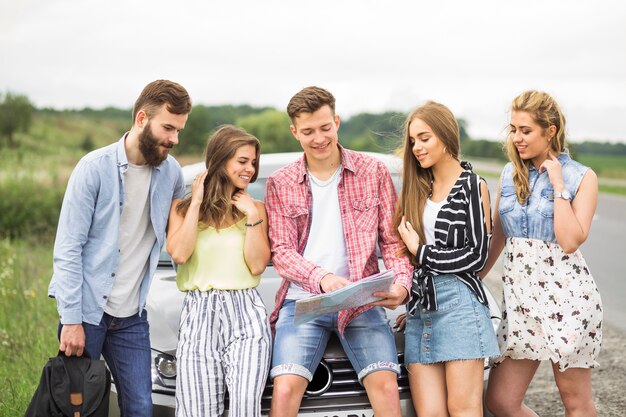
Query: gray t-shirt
x,y
136,241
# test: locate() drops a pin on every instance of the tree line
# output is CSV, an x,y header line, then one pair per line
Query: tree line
x,y
378,132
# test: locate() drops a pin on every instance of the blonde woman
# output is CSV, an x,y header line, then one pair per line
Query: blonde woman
x,y
552,307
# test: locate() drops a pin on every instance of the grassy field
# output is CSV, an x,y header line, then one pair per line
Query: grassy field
x,y
609,169
51,148
28,321
606,166
612,189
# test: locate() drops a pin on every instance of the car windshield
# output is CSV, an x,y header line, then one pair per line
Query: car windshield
x,y
257,191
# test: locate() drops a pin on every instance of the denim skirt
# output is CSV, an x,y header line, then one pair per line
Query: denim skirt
x,y
460,329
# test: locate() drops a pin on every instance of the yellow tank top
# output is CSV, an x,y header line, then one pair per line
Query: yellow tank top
x,y
217,261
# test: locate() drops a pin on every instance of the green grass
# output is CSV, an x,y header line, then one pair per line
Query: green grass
x,y
606,166
489,175
28,321
53,145
612,189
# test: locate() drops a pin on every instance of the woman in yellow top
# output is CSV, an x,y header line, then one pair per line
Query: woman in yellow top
x,y
218,237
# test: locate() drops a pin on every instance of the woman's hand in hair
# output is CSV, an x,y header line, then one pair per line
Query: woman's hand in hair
x,y
197,189
409,236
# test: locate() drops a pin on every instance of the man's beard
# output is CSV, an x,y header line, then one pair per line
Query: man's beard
x,y
149,147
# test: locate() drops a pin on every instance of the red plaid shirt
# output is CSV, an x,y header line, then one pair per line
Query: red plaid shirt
x,y
366,199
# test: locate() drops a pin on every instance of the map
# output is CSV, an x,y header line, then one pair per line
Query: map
x,y
353,295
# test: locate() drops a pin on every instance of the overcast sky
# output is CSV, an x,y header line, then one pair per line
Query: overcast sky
x,y
473,56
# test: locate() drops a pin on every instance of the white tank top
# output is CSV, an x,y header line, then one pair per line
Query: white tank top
x,y
431,211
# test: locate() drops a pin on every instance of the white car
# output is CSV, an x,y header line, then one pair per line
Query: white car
x,y
334,391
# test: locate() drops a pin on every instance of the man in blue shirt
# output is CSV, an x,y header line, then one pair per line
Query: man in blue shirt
x,y
110,233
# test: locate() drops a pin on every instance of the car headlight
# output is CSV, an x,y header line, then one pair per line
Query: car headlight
x,y
165,365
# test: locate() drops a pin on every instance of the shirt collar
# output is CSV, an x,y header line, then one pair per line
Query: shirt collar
x,y
564,157
122,159
301,169
347,162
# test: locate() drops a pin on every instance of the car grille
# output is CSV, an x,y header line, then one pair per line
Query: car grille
x,y
344,384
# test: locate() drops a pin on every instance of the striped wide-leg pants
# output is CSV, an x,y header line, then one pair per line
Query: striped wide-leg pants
x,y
224,343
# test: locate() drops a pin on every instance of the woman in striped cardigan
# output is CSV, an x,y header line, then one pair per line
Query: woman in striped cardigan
x,y
443,217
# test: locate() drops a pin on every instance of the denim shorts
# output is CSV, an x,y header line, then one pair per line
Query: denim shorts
x,y
460,328
367,341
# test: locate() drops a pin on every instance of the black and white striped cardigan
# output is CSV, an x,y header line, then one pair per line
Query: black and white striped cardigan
x,y
461,244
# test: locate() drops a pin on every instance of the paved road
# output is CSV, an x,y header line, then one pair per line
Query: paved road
x,y
605,252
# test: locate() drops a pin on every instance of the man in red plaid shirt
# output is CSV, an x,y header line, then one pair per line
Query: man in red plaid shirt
x,y
326,213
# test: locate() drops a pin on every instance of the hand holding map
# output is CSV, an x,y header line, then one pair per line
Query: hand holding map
x,y
357,294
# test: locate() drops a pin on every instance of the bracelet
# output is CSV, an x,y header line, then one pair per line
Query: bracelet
x,y
255,223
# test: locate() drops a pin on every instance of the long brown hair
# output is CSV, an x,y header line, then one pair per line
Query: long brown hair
x,y
216,208
417,181
545,112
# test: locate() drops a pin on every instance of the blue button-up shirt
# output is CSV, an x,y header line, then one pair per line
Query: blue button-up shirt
x,y
535,218
86,250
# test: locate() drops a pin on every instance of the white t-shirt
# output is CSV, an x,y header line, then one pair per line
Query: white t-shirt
x,y
136,241
431,211
326,245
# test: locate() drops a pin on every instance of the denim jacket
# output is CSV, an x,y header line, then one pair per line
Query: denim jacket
x,y
535,218
86,249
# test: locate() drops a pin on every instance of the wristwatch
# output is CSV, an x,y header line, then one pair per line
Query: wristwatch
x,y
565,195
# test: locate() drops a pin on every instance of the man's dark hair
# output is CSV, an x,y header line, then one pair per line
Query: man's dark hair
x,y
310,100
161,92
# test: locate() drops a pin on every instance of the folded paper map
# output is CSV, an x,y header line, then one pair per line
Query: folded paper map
x,y
353,295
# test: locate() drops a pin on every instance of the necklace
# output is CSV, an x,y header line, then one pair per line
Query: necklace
x,y
321,183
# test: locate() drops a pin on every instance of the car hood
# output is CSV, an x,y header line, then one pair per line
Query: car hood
x,y
164,305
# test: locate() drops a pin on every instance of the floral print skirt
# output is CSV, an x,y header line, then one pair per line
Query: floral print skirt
x,y
552,308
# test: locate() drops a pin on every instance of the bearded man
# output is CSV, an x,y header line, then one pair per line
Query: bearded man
x,y
110,233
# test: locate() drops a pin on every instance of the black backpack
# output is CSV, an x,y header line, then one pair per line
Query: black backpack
x,y
72,386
